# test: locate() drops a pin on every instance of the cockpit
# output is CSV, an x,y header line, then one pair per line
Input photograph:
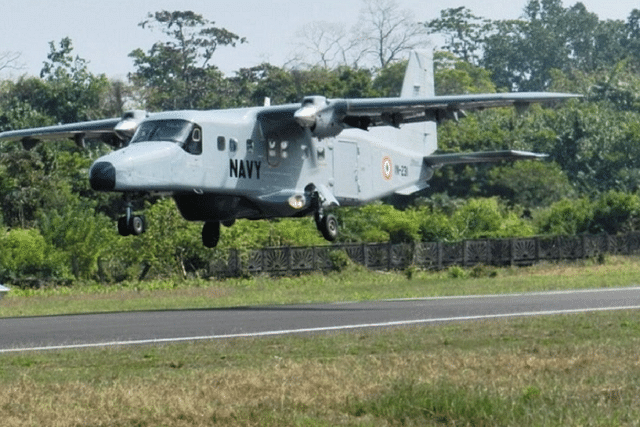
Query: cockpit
x,y
182,132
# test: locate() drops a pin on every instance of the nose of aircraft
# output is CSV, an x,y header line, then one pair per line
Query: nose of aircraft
x,y
102,176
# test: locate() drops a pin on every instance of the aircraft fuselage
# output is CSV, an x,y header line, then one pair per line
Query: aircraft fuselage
x,y
222,165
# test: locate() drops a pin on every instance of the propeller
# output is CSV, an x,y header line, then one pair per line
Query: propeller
x,y
320,116
129,124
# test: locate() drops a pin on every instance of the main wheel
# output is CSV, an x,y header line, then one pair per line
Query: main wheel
x,y
328,226
210,234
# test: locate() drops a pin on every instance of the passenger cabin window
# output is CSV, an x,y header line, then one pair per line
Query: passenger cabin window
x,y
276,151
233,145
182,132
222,143
249,146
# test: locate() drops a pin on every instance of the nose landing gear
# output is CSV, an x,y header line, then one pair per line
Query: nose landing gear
x,y
131,224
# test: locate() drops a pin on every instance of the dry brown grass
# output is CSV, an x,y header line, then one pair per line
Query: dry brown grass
x,y
570,365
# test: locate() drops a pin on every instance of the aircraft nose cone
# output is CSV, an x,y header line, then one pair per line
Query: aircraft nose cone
x,y
102,176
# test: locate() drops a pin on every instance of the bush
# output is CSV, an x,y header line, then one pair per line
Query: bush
x,y
566,217
435,226
379,223
615,212
26,254
485,218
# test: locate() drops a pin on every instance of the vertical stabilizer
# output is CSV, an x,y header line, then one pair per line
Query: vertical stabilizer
x,y
418,79
418,83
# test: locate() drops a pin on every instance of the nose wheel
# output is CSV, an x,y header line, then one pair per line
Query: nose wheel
x,y
130,224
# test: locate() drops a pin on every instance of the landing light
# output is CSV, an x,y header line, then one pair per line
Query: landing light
x,y
298,201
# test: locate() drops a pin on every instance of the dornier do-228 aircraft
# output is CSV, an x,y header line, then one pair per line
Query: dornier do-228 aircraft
x,y
282,161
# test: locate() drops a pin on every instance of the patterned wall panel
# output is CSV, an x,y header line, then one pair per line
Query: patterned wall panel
x,y
426,254
452,253
523,250
477,252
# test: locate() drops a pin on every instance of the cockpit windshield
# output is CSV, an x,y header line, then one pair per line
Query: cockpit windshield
x,y
163,130
186,134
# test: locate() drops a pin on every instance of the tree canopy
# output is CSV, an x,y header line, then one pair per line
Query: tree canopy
x,y
53,226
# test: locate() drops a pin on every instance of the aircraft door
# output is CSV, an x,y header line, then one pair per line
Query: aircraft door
x,y
345,170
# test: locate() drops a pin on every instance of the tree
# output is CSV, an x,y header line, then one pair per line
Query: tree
x,y
530,184
328,45
522,54
387,32
454,76
463,31
177,74
72,92
9,60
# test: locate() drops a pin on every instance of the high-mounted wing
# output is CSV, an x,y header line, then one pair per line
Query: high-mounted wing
x,y
115,132
328,117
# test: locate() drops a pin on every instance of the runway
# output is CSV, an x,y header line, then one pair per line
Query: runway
x,y
154,327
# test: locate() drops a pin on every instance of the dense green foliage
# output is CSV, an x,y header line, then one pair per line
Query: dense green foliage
x,y
52,226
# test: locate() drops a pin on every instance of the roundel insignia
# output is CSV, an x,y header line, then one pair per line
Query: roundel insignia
x,y
387,168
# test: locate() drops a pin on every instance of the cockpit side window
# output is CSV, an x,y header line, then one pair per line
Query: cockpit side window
x,y
194,143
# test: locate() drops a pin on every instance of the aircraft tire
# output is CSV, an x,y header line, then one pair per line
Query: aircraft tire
x,y
329,227
136,227
123,227
210,234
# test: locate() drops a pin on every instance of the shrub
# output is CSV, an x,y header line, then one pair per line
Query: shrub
x,y
25,253
615,212
485,218
566,217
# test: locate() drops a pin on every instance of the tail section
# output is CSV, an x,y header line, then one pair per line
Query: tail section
x,y
422,137
418,83
418,79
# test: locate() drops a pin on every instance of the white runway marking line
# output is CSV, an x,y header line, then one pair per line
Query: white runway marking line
x,y
320,329
519,294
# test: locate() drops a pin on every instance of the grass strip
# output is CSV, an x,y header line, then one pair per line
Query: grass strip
x,y
355,284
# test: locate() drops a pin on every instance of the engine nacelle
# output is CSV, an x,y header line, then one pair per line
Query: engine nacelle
x,y
129,124
320,116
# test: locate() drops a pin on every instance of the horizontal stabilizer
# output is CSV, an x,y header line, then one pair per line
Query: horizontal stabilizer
x,y
438,160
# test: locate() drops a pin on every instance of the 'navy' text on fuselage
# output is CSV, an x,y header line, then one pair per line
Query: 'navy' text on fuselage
x,y
244,169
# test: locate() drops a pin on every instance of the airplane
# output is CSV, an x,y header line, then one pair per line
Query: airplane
x,y
288,160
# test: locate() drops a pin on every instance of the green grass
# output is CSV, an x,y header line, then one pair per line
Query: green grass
x,y
575,370
354,285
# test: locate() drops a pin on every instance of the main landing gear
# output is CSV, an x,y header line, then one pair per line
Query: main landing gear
x,y
131,224
327,225
211,234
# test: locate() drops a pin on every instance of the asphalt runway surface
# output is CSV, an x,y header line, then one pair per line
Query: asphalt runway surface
x,y
155,327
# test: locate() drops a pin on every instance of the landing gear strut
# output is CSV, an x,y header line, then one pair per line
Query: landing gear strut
x,y
131,224
211,234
